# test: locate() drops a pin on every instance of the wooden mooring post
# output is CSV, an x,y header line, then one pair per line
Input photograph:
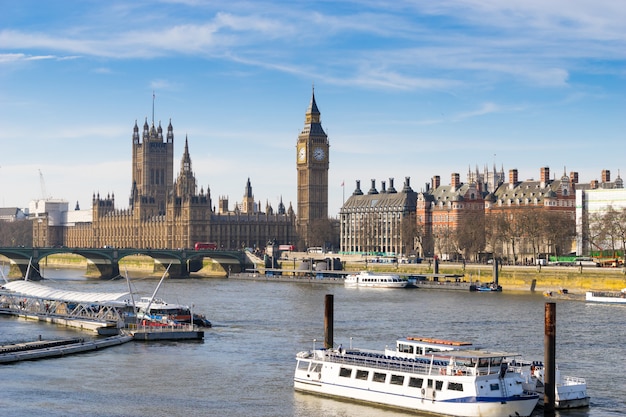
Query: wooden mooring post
x,y
549,360
328,322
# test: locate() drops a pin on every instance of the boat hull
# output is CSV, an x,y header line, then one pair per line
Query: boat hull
x,y
465,407
606,297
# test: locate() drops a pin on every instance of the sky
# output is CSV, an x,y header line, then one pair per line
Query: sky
x,y
406,88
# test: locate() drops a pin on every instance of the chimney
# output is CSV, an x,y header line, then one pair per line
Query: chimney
x,y
373,188
383,186
594,184
512,178
544,176
391,187
455,181
573,177
358,191
606,175
436,182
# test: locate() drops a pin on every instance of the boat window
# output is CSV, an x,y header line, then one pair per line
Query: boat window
x,y
397,380
438,385
317,367
345,372
379,377
496,361
361,374
405,348
455,386
304,365
429,383
494,387
416,382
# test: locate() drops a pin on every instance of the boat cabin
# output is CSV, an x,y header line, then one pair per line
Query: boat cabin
x,y
411,347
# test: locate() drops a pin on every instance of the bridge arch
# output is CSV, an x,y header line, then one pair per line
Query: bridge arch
x,y
104,262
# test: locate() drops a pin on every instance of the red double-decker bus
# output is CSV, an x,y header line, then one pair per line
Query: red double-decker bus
x,y
205,246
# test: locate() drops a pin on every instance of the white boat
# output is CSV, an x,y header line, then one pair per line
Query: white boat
x,y
157,310
459,381
607,296
570,391
371,280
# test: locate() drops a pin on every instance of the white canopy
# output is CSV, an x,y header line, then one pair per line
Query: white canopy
x,y
32,289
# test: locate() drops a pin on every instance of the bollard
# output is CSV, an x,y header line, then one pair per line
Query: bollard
x,y
549,360
328,322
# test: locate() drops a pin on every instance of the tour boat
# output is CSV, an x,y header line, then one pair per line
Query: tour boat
x,y
371,280
570,391
157,310
607,296
454,379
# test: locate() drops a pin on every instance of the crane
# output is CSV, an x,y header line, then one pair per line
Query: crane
x,y
44,195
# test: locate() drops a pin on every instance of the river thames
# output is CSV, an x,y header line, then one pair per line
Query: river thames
x,y
245,365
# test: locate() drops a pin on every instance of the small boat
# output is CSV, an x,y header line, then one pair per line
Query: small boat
x,y
154,310
371,280
488,287
606,296
454,380
570,391
158,311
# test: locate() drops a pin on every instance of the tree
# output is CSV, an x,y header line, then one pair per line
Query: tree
x,y
17,233
470,235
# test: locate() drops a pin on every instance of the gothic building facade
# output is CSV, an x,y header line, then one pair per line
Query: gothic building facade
x,y
312,163
168,212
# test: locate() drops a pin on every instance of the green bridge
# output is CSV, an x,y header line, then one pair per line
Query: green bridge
x,y
106,260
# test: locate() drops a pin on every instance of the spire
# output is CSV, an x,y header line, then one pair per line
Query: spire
x,y
248,192
313,105
185,163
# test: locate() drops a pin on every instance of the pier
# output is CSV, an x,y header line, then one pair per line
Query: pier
x,y
56,348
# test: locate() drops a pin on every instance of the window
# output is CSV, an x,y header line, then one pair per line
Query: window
x,y
455,386
345,372
416,382
397,380
303,365
438,385
494,387
361,374
379,377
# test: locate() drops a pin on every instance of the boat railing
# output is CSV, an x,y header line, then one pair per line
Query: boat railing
x,y
183,327
423,366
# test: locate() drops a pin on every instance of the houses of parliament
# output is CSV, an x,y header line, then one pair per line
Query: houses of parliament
x,y
169,212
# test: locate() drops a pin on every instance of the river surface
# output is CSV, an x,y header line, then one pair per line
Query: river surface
x,y
245,365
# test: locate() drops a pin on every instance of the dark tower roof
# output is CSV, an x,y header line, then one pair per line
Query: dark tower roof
x,y
313,105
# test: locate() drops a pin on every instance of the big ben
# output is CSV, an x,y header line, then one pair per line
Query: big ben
x,y
312,165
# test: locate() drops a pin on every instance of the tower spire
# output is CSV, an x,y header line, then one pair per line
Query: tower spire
x,y
153,97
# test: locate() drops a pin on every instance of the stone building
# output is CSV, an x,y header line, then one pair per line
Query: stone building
x,y
164,212
312,163
373,223
594,200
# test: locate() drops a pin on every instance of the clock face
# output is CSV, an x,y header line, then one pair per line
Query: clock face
x,y
318,154
302,154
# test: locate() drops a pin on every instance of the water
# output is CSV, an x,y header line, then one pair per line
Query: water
x,y
245,364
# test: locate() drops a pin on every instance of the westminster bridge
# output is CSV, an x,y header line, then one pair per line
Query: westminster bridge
x,y
105,261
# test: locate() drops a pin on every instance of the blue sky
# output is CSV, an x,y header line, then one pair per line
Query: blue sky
x,y
405,89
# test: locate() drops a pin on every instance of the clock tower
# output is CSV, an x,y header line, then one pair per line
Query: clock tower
x,y
312,166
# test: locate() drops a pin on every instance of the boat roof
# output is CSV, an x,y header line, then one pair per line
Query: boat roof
x,y
429,341
32,289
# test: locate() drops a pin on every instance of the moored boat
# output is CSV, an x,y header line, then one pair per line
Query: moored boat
x,y
570,391
460,381
607,296
159,311
370,280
